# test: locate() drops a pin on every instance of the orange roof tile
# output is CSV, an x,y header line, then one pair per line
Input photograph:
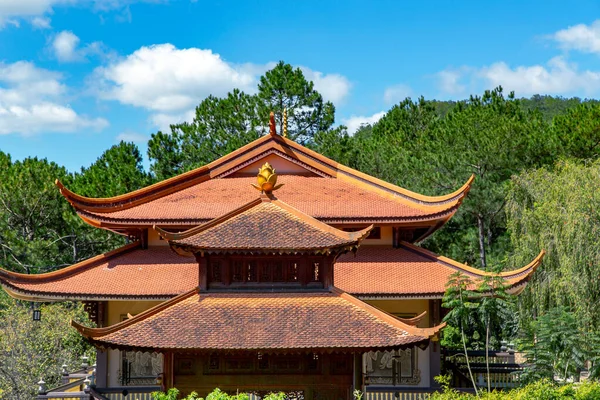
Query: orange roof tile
x,y
410,271
268,322
327,199
159,273
129,272
338,194
265,225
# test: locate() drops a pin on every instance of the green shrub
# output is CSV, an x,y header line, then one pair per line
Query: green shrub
x,y
540,390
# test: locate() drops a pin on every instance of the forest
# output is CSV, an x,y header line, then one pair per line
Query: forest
x,y
536,168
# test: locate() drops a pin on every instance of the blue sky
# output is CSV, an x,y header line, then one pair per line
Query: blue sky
x,y
77,76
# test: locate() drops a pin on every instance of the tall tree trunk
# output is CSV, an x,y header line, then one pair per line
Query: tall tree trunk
x,y
487,353
481,241
462,332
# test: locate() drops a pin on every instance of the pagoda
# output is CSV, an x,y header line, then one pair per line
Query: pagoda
x,y
305,278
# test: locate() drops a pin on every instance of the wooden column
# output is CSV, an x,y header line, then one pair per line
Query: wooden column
x,y
202,272
327,266
168,370
144,238
435,355
357,378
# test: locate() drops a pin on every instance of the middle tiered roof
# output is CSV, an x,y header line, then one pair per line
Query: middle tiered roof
x,y
158,273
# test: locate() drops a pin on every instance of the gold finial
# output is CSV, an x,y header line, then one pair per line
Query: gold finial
x,y
272,128
266,179
285,122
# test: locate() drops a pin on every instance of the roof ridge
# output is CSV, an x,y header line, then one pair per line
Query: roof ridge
x,y
214,222
476,271
10,276
357,235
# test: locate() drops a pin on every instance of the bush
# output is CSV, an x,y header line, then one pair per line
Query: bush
x,y
540,390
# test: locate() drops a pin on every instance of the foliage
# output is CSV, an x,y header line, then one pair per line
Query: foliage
x,y
39,230
217,394
539,390
558,209
117,171
554,347
578,131
30,350
284,87
222,125
458,299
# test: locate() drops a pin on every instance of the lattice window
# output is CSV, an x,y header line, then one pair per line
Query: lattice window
x,y
316,273
238,274
292,272
251,274
278,275
215,271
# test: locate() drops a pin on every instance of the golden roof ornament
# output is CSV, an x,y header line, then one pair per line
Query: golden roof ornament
x,y
266,179
284,133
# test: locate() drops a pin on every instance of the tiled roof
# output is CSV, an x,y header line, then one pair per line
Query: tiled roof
x,y
266,225
128,272
410,271
327,199
159,273
269,322
334,193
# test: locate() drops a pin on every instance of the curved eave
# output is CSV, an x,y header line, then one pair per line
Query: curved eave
x,y
45,297
475,272
414,321
16,278
221,166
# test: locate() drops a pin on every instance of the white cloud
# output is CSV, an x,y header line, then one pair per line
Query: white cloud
x,y
449,81
41,22
31,101
333,87
580,37
37,11
65,45
132,137
163,121
396,93
556,77
165,79
355,122
171,82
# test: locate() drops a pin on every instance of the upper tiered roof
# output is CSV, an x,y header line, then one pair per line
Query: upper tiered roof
x,y
314,184
265,226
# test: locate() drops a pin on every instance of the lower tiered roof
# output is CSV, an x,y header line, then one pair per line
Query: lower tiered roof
x,y
267,322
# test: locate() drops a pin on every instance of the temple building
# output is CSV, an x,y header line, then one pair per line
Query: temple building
x,y
305,279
